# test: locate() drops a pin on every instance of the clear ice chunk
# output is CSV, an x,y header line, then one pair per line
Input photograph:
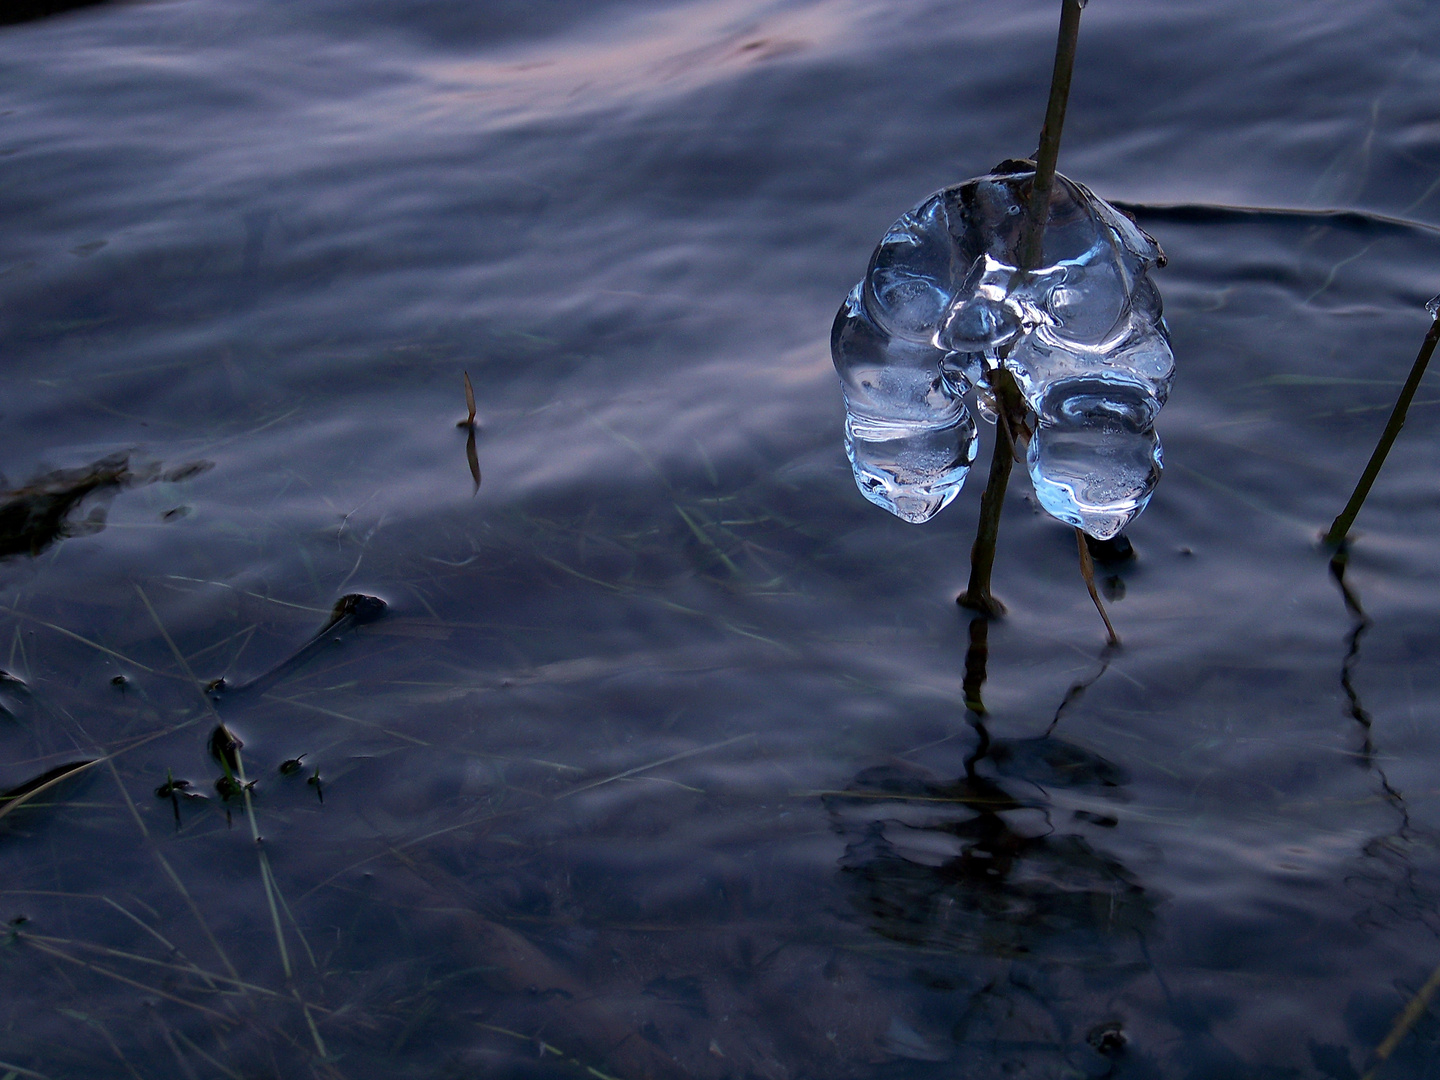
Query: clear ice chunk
x,y
945,302
908,435
1095,460
914,472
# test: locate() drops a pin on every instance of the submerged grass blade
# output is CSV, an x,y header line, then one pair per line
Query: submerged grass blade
x,y
19,796
545,1048
172,875
21,1071
71,634
61,954
655,765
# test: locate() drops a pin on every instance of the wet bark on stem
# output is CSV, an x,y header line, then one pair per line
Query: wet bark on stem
x,y
1009,405
1341,527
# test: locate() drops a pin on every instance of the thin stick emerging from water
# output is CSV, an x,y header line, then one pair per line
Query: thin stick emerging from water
x,y
1336,536
1009,405
1087,571
1049,151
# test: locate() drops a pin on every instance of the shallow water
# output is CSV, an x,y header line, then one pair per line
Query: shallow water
x,y
659,763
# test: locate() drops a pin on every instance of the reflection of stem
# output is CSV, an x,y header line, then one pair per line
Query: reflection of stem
x,y
473,459
1077,691
975,657
1338,563
1342,524
1087,571
1009,405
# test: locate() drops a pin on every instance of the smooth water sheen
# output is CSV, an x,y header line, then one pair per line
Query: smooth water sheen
x,y
666,756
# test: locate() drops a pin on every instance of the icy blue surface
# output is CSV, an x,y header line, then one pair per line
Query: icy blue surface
x,y
944,302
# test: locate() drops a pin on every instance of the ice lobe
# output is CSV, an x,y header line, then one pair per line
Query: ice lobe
x,y
944,303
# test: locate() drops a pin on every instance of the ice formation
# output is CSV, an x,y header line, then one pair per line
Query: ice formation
x,y
944,302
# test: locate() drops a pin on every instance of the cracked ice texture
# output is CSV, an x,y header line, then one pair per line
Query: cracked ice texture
x,y
944,302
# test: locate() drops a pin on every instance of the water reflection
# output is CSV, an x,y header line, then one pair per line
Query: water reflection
x,y
980,864
1391,881
1004,863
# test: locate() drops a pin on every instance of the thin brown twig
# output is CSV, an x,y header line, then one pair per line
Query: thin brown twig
x,y
1087,571
1009,404
1341,526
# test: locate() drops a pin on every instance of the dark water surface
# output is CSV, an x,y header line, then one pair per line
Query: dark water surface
x,y
659,762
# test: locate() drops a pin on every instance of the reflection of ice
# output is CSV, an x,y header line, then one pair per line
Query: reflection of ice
x,y
944,300
986,865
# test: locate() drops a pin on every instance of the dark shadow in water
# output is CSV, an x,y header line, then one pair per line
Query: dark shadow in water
x,y
35,516
22,11
987,865
978,864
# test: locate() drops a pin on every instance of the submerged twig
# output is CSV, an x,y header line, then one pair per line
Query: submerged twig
x,y
1009,405
1341,526
1087,571
1405,1021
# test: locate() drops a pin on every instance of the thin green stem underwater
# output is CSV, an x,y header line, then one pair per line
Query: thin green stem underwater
x,y
1341,526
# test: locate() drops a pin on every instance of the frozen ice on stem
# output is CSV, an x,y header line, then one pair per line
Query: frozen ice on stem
x,y
1433,307
945,302
914,472
908,435
1095,458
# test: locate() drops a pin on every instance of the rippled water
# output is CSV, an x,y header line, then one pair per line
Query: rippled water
x,y
659,763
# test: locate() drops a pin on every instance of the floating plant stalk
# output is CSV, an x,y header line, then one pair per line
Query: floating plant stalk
x,y
1009,405
1341,527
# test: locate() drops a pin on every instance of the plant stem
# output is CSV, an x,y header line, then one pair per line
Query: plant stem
x,y
1009,404
1336,536
1087,571
977,595
1049,153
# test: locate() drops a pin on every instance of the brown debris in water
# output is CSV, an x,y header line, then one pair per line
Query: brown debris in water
x,y
35,516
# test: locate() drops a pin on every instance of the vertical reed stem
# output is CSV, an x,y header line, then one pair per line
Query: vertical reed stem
x,y
1336,536
1008,402
1049,152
